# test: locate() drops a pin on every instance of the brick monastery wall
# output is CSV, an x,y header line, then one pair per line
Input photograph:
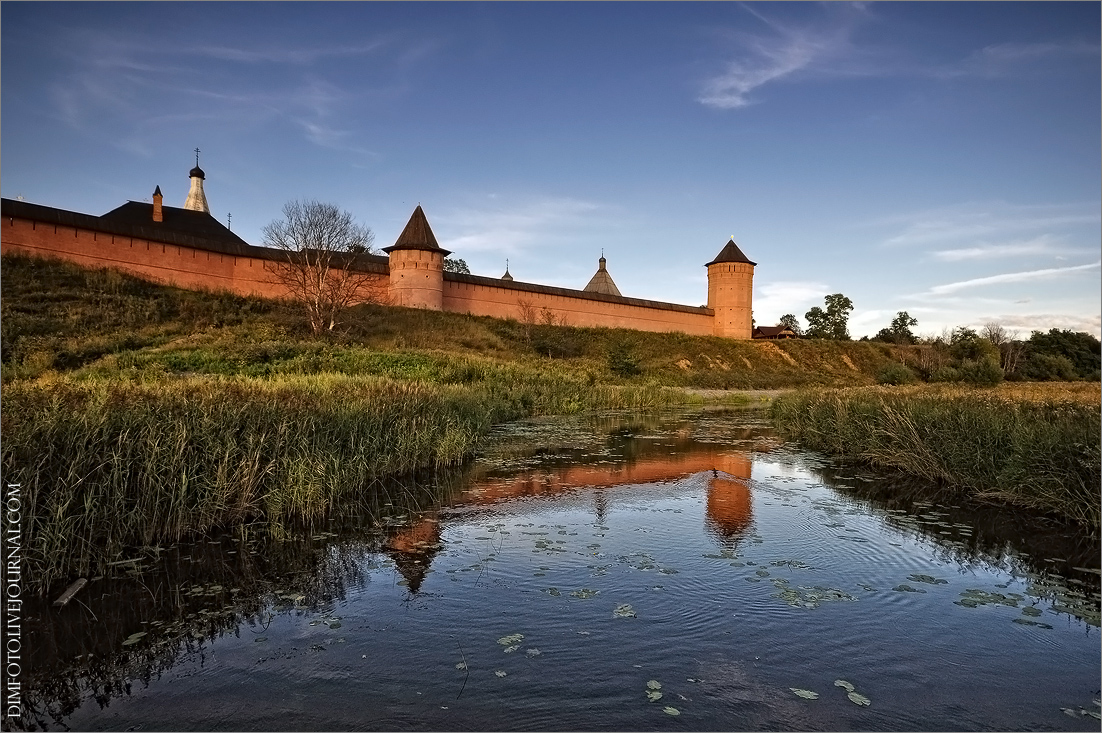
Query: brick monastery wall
x,y
483,296
195,268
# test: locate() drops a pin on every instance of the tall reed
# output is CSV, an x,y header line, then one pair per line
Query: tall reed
x,y
107,464
1032,449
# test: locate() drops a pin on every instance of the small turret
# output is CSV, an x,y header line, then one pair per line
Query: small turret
x,y
158,199
601,282
507,276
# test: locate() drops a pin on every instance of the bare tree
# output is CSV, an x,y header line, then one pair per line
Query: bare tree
x,y
318,246
1010,348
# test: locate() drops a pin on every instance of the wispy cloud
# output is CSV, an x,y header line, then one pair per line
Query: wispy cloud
x,y
827,50
512,227
969,222
1003,59
284,55
1091,324
782,52
1046,244
146,89
1011,277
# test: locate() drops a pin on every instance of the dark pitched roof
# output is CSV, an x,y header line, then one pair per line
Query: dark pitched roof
x,y
182,221
731,253
417,235
773,332
183,227
601,282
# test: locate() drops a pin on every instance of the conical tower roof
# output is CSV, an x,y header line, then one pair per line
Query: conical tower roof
x,y
731,253
601,282
417,235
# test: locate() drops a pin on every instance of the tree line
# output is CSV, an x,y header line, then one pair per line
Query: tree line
x,y
986,356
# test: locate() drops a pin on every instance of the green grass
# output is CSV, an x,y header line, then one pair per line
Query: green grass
x,y
63,318
1038,450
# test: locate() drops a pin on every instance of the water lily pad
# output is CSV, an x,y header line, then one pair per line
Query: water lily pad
x,y
654,695
1031,611
1027,622
584,593
906,588
858,699
805,694
533,652
500,672
133,638
334,624
511,639
624,610
461,665
671,710
510,649
920,578
654,685
847,686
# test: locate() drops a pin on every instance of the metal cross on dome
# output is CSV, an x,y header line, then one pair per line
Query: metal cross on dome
x,y
196,157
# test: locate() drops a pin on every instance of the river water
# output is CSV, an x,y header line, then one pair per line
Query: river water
x,y
676,571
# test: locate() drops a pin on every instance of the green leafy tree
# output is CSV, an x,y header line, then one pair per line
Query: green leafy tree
x,y
831,322
1081,349
454,264
792,323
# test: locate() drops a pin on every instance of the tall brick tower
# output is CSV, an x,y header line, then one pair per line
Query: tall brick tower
x,y
417,266
196,198
731,292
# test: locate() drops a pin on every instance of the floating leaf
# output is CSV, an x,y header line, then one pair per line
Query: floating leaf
x,y
671,711
133,638
585,593
1031,611
919,578
533,652
654,685
654,695
511,639
847,686
334,624
908,589
624,610
461,665
510,649
805,694
500,672
858,699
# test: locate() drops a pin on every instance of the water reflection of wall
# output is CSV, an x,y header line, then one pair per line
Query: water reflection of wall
x,y
726,474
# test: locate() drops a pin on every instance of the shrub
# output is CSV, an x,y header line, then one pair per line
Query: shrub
x,y
622,360
896,373
984,372
945,374
1048,368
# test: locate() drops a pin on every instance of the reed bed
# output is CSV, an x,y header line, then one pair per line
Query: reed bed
x,y
1037,446
110,464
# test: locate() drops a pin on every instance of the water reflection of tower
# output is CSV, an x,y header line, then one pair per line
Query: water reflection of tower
x,y
729,508
413,548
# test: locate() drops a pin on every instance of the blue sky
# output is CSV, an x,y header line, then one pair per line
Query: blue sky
x,y
938,158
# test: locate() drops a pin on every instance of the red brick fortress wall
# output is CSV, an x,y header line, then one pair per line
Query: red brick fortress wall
x,y
483,296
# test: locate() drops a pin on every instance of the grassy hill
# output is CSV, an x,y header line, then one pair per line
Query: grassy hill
x,y
63,318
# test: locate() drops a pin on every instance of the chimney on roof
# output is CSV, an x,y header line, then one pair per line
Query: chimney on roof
x,y
158,213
